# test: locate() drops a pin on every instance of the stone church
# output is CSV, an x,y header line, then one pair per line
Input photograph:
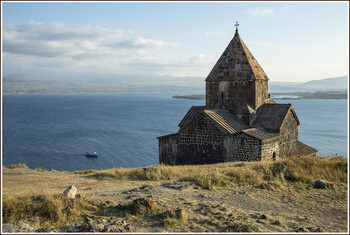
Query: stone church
x,y
239,122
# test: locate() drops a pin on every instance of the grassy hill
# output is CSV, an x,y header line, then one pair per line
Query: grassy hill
x,y
228,197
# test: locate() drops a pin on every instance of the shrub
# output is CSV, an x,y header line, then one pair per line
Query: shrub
x,y
18,165
174,217
241,228
86,172
39,169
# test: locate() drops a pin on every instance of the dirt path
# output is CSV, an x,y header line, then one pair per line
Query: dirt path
x,y
310,210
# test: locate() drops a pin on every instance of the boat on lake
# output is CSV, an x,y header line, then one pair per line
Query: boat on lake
x,y
91,154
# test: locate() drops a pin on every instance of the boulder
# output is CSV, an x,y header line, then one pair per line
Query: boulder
x,y
70,191
110,228
22,226
323,184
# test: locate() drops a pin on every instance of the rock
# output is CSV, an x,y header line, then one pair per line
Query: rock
x,y
28,225
109,228
141,205
70,191
301,229
73,228
128,228
263,216
99,228
88,225
323,184
276,222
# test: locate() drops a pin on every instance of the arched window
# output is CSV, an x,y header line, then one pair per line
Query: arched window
x,y
222,95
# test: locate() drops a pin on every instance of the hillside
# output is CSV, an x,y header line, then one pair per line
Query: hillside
x,y
327,84
228,197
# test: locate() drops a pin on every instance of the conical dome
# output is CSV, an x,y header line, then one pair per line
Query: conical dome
x,y
236,63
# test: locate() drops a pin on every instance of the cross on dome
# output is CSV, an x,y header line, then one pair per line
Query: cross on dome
x,y
236,26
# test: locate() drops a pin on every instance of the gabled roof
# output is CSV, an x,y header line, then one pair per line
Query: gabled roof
x,y
271,116
305,150
260,133
221,116
236,63
191,115
226,120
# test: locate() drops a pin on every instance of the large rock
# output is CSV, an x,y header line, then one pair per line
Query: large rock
x,y
70,191
22,226
323,184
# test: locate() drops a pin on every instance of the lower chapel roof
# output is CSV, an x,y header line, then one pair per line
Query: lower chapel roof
x,y
271,116
229,122
260,134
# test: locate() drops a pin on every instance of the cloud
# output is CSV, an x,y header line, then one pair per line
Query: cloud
x,y
260,12
57,40
214,34
57,50
144,43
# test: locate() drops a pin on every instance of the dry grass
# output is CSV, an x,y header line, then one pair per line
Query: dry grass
x,y
174,217
18,165
49,208
112,193
39,170
277,174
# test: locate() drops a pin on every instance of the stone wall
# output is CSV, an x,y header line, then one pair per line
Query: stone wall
x,y
230,94
168,149
202,142
289,137
261,91
234,94
246,148
270,150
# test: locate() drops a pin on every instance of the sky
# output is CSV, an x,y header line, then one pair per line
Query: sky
x,y
292,41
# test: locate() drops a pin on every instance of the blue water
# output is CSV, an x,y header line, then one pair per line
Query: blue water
x,y
54,131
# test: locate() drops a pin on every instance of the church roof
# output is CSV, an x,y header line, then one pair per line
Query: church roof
x,y
237,63
221,116
226,120
305,150
271,116
191,115
260,134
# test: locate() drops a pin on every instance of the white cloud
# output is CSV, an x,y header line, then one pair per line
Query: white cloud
x,y
58,50
214,34
260,12
58,40
144,43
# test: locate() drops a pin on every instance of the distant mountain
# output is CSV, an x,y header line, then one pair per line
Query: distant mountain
x,y
18,83
336,83
327,84
15,78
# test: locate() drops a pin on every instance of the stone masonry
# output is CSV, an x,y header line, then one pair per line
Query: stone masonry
x,y
239,121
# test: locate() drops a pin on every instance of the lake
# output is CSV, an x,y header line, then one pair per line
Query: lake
x,y
55,131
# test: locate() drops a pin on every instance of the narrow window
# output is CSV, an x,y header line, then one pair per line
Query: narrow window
x,y
222,96
274,156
